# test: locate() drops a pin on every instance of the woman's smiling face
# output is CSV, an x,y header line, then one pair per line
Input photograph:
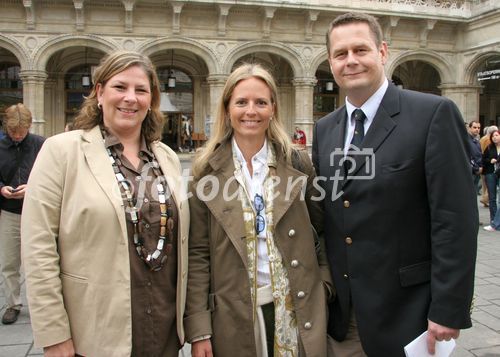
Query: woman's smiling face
x,y
125,100
250,109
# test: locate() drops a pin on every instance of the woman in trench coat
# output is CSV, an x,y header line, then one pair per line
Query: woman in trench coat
x,y
257,282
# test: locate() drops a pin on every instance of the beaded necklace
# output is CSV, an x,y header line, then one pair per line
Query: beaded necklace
x,y
158,258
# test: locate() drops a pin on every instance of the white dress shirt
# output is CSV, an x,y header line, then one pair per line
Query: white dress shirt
x,y
369,107
254,184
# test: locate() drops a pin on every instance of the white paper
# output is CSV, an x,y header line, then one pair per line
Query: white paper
x,y
418,347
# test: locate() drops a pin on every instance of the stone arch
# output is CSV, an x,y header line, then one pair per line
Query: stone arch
x,y
472,66
45,52
17,50
196,47
438,62
318,59
276,48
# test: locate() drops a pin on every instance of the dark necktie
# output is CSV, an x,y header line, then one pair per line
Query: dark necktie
x,y
359,127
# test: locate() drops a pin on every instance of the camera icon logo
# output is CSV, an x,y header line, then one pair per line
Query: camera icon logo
x,y
356,157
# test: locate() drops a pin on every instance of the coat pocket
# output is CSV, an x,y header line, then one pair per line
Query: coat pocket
x,y
415,274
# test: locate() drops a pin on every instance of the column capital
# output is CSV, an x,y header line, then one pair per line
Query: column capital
x,y
33,75
217,78
304,81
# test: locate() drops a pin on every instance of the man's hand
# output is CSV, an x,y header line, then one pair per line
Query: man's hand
x,y
63,349
12,193
201,348
436,332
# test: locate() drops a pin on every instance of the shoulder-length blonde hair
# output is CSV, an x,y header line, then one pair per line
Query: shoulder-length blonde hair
x,y
223,131
116,62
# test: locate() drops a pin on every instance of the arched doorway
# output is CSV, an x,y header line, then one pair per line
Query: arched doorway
x,y
326,92
417,75
177,105
488,76
11,86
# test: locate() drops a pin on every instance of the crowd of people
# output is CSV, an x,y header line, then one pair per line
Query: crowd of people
x,y
267,252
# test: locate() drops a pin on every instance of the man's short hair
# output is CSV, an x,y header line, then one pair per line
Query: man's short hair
x,y
355,17
17,116
472,122
491,129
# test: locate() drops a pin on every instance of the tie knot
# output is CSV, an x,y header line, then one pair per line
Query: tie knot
x,y
359,115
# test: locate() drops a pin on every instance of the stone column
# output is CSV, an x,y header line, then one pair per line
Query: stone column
x,y
216,84
33,97
466,97
304,94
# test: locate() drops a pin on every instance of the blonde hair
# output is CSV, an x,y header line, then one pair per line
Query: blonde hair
x,y
17,116
116,62
223,131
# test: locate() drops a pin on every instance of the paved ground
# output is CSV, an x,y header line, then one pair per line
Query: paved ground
x,y
483,339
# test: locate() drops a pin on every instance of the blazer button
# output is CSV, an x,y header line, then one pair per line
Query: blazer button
x,y
294,263
307,325
291,233
348,240
346,276
301,294
346,204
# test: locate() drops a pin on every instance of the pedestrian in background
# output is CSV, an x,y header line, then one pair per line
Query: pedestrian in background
x,y
484,142
18,151
476,155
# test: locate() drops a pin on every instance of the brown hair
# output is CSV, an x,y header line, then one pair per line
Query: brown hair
x,y
17,116
116,62
223,130
353,17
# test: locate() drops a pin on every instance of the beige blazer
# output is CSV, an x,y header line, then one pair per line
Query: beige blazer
x,y
74,243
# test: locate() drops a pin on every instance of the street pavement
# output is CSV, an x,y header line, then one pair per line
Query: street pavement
x,y
483,339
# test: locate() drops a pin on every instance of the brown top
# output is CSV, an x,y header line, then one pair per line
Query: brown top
x,y
153,293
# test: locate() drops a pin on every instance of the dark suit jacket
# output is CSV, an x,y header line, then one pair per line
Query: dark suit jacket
x,y
401,244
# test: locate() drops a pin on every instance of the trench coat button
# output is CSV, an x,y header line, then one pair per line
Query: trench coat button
x,y
138,178
347,204
348,240
301,294
146,200
307,325
294,263
346,276
291,233
148,311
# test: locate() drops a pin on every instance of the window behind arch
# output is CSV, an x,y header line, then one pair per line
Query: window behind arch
x,y
11,86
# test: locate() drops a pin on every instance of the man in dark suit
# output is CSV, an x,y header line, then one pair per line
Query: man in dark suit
x,y
400,215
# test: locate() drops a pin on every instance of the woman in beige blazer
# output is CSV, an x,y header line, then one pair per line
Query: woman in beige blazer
x,y
257,285
105,225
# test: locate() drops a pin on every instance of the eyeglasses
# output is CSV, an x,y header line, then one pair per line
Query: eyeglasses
x,y
260,223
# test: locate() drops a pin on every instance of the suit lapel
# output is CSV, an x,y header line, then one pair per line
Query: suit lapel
x,y
283,195
228,212
171,174
101,169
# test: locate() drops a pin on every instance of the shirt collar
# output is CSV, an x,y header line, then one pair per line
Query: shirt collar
x,y
260,156
111,140
369,107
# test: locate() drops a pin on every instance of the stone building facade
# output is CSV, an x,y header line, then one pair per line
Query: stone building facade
x,y
447,47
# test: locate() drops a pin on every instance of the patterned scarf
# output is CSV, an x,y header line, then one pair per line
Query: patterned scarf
x,y
286,331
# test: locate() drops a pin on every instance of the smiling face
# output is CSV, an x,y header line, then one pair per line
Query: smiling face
x,y
250,109
356,62
125,100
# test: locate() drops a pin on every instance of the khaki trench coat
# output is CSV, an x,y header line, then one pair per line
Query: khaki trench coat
x,y
74,242
218,299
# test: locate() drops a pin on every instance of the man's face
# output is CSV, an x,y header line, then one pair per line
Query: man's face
x,y
356,62
17,134
474,129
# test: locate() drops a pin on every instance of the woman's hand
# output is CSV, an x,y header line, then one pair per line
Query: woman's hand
x,y
63,349
202,348
493,161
